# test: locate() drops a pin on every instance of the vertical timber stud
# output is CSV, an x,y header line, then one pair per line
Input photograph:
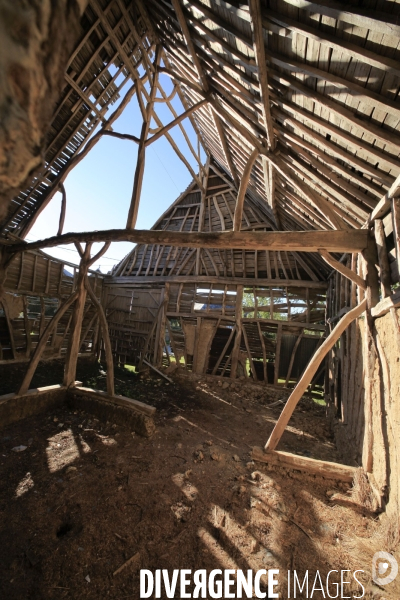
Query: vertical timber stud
x,y
139,172
384,267
370,351
238,326
163,322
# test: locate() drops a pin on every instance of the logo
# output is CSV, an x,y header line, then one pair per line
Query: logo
x,y
384,568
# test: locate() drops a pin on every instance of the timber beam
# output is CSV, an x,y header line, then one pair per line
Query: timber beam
x,y
133,280
298,241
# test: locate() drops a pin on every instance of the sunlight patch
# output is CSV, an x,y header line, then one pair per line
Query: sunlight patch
x,y
188,489
61,451
24,485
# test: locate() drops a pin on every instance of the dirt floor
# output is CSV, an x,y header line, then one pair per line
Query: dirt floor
x,y
85,496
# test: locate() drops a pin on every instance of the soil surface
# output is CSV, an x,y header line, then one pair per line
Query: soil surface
x,y
86,496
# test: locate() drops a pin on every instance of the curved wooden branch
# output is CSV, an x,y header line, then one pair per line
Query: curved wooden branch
x,y
309,373
63,209
106,338
168,98
99,253
237,219
51,327
122,136
345,271
176,121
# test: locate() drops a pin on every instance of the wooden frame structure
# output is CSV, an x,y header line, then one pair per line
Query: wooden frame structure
x,y
291,229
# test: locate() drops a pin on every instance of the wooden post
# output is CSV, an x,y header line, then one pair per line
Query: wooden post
x,y
372,280
309,373
238,337
383,258
277,353
77,316
396,228
163,320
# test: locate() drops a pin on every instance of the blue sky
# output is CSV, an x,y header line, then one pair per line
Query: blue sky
x,y
99,188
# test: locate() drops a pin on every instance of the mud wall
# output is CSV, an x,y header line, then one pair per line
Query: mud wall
x,y
367,426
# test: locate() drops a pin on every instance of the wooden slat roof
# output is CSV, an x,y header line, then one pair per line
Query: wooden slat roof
x,y
185,214
333,75
320,98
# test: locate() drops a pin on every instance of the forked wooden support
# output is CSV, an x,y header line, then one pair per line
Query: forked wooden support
x,y
309,373
77,316
237,219
106,339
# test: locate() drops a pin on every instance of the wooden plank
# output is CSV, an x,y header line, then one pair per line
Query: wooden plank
x,y
323,468
273,21
292,357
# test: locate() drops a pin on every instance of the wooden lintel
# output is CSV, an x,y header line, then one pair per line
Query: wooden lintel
x,y
323,468
298,241
153,280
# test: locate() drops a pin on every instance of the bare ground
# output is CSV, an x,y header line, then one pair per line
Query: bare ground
x,y
85,496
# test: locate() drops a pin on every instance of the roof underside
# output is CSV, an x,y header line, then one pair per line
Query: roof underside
x,y
333,77
186,214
